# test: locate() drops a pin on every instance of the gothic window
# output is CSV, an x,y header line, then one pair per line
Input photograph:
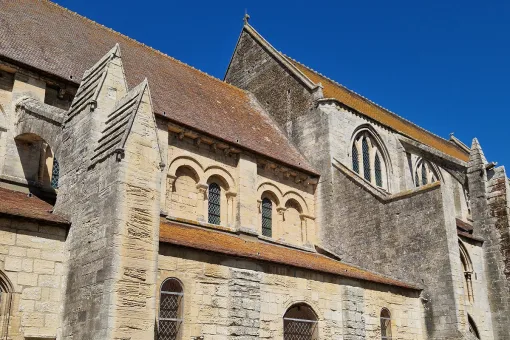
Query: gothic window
x,y
467,268
300,323
424,173
368,160
378,171
170,310
386,325
214,203
355,159
54,174
267,217
472,327
6,292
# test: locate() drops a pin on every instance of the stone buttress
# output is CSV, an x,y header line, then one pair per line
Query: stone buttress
x,y
109,190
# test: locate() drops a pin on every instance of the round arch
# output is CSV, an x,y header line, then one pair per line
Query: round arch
x,y
189,162
298,198
222,174
272,189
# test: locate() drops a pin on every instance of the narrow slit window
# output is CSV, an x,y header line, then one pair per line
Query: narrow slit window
x,y
386,325
366,160
378,171
214,203
55,174
355,158
170,310
423,174
267,217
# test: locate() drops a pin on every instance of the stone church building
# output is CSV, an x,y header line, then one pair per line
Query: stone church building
x,y
143,199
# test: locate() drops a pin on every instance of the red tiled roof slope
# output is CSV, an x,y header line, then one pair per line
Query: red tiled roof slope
x,y
50,38
17,203
379,114
220,242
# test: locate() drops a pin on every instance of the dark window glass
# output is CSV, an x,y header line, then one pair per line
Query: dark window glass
x,y
416,179
366,160
54,174
267,217
355,158
423,174
378,172
170,310
214,203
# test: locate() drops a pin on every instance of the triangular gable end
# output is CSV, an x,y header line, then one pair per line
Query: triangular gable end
x,y
101,85
119,124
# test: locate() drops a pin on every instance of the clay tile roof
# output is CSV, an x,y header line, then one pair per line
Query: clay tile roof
x,y
230,244
19,204
55,40
333,90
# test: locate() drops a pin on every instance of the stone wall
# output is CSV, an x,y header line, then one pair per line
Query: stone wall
x,y
226,298
32,256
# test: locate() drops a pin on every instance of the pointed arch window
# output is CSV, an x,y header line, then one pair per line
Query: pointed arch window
x,y
472,327
467,268
424,173
368,160
55,174
214,206
267,217
386,333
170,310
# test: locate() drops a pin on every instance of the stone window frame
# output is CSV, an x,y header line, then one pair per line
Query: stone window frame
x,y
472,328
300,322
365,137
386,324
425,172
6,296
467,269
180,318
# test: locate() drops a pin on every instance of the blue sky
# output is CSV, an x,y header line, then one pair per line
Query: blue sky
x,y
445,65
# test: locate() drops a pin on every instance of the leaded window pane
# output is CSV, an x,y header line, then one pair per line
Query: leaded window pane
x,y
55,174
423,174
267,217
170,310
378,172
366,159
355,159
214,203
300,323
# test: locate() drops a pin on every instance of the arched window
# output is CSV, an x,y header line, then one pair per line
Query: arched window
x,y
424,173
214,207
472,327
386,324
371,164
267,217
467,268
300,323
170,310
355,159
54,174
6,291
366,160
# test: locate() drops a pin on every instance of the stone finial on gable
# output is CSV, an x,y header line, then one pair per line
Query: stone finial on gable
x,y
101,85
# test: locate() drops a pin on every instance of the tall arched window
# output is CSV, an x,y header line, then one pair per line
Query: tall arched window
x,y
424,173
472,327
300,323
267,217
371,164
170,310
467,268
214,207
54,174
386,324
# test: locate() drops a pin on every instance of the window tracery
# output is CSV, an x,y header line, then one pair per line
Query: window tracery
x,y
424,173
371,165
467,268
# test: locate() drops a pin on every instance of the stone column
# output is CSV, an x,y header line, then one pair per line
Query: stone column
x,y
202,202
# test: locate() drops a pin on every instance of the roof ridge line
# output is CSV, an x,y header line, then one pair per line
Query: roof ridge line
x,y
142,44
367,100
